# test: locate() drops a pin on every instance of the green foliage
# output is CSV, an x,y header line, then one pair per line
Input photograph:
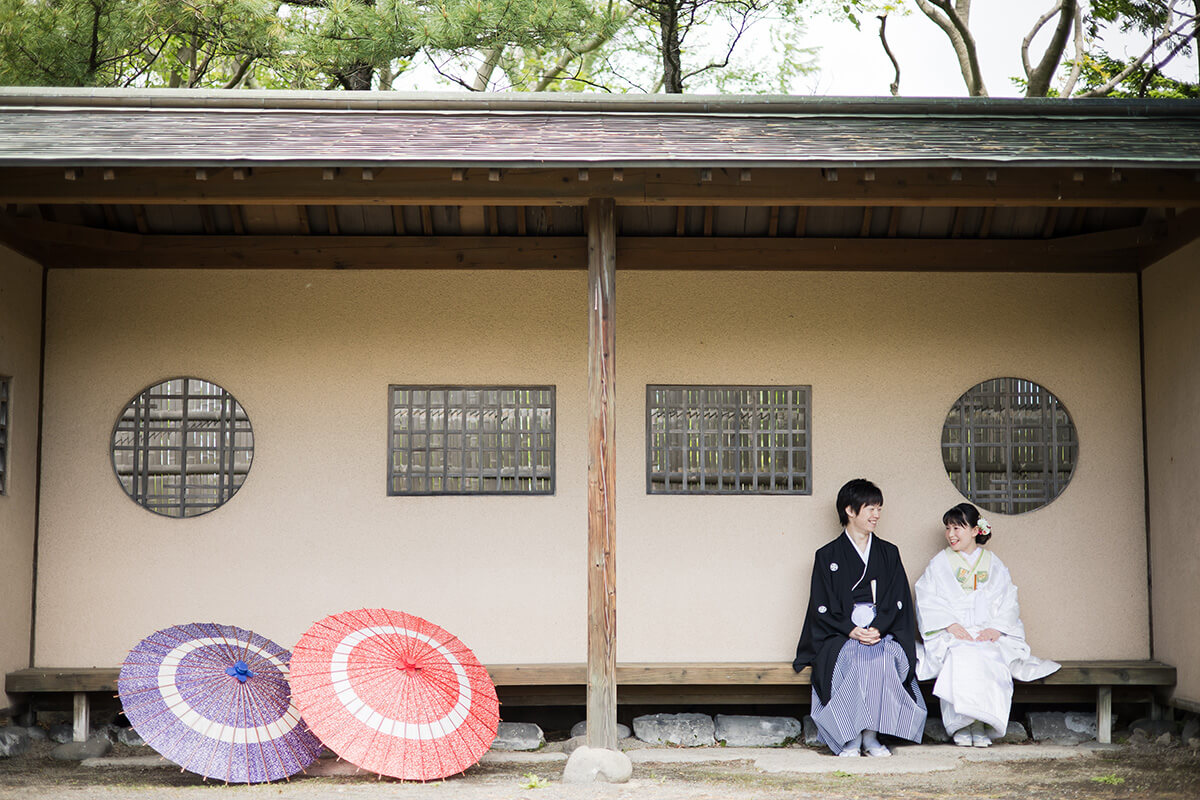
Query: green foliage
x,y
301,44
839,773
532,781
1100,68
1109,780
132,42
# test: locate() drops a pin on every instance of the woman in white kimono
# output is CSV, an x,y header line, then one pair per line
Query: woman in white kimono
x,y
974,644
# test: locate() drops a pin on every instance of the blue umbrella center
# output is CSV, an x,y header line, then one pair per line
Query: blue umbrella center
x,y
240,670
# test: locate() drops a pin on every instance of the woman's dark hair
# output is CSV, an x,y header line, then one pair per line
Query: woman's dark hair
x,y
966,515
856,494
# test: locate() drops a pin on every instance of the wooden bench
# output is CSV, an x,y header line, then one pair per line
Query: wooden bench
x,y
684,684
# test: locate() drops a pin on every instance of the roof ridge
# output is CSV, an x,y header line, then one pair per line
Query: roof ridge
x,y
586,103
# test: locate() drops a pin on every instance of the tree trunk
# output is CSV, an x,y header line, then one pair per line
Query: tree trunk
x,y
668,23
955,22
356,77
1040,77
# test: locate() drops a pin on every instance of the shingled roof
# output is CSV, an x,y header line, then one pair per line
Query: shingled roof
x,y
164,128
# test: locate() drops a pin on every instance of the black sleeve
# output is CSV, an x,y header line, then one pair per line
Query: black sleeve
x,y
820,625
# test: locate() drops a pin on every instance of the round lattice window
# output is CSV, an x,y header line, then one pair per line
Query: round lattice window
x,y
1009,445
182,447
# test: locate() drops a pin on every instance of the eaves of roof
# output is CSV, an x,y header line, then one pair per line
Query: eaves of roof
x,y
71,127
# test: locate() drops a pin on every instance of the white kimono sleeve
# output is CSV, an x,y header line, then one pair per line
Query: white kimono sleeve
x,y
1005,616
936,611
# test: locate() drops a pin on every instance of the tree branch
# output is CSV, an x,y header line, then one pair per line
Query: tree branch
x,y
956,29
240,73
1077,63
744,23
483,73
447,76
1157,68
895,87
1108,85
594,43
1037,26
1039,79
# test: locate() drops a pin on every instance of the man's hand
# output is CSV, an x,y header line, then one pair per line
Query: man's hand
x,y
865,635
989,635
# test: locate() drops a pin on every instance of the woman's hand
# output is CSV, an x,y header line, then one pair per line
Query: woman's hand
x,y
867,636
959,632
989,635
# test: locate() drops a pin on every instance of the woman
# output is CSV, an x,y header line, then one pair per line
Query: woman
x,y
859,635
967,612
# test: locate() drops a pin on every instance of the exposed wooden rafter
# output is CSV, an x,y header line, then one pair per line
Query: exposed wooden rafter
x,y
1124,250
1016,186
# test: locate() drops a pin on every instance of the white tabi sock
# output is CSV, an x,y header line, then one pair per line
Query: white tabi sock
x,y
852,747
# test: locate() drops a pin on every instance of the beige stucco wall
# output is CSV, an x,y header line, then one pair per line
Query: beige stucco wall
x,y
1171,292
20,346
309,355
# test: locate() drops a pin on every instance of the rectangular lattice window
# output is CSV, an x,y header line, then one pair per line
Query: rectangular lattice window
x,y
728,440
5,384
471,440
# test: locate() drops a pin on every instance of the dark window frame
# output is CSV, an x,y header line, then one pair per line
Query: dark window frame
x,y
738,475
134,432
5,430
541,441
1056,450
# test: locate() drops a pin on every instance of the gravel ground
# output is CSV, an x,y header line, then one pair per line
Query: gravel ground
x,y
1123,772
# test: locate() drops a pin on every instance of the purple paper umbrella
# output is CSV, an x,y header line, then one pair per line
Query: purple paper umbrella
x,y
215,700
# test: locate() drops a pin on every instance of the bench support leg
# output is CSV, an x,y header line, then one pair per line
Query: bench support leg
x,y
1104,715
83,715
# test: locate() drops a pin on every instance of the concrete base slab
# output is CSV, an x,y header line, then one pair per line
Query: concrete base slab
x,y
498,757
906,759
141,762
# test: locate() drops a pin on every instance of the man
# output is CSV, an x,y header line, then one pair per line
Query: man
x,y
860,634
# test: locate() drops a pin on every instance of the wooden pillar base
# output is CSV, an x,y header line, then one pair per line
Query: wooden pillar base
x,y
83,717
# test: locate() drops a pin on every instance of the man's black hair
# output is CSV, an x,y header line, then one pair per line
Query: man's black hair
x,y
856,494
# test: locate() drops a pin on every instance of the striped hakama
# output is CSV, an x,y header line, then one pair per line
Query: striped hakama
x,y
868,694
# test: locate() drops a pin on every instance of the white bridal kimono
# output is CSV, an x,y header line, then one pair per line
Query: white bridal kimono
x,y
974,679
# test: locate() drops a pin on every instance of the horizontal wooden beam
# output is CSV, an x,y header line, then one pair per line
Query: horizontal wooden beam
x,y
1177,232
886,186
56,245
769,673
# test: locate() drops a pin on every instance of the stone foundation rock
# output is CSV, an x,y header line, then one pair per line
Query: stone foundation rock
x,y
1057,727
736,730
810,732
682,730
518,736
14,741
580,729
1016,734
935,731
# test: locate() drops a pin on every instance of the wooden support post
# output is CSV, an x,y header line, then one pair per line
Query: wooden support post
x,y
1104,715
83,714
602,556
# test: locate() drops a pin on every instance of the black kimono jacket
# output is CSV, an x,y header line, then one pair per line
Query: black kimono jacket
x,y
838,582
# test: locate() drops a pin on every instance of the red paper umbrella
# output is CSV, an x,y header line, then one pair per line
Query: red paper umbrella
x,y
394,694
